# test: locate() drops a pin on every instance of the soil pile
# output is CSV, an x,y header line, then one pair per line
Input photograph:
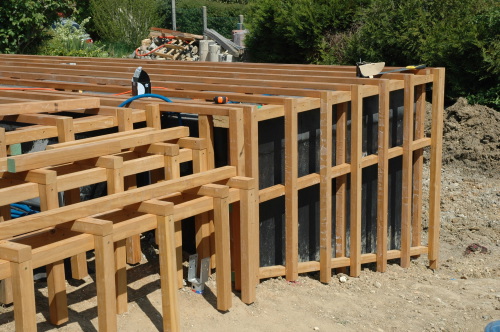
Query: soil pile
x,y
471,135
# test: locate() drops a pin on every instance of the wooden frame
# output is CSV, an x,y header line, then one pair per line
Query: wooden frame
x,y
336,94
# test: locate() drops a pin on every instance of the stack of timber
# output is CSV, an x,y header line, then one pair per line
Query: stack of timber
x,y
170,45
340,157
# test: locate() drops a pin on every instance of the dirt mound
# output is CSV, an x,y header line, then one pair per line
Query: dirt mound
x,y
471,136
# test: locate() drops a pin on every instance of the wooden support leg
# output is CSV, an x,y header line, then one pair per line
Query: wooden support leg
x,y
134,253
23,288
79,269
340,184
235,230
325,210
409,99
220,194
121,276
436,159
168,265
356,182
418,167
172,171
249,236
105,269
56,281
291,191
6,296
383,176
56,284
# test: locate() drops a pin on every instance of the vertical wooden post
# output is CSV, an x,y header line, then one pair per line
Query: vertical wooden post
x,y
291,191
172,171
356,174
236,158
56,285
436,158
102,230
153,118
115,184
409,99
222,243
383,175
418,166
249,236
125,121
168,265
56,282
79,269
3,143
325,188
206,131
340,183
236,140
65,131
23,287
6,296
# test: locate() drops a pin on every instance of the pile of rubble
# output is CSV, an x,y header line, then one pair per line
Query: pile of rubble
x,y
165,44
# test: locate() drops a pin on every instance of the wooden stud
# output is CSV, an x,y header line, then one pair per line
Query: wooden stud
x,y
56,284
65,130
356,181
236,140
340,183
409,99
6,296
206,131
23,288
120,251
435,168
325,189
79,269
418,167
3,143
124,117
102,230
249,237
202,221
291,191
383,176
168,261
235,230
223,255
153,117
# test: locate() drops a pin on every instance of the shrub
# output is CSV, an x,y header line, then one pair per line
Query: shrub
x,y
297,31
125,21
24,23
68,41
461,35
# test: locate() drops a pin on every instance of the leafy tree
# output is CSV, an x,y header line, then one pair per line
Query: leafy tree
x,y
125,21
297,30
24,23
461,35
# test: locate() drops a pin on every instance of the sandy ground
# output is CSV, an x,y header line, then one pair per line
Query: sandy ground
x,y
462,295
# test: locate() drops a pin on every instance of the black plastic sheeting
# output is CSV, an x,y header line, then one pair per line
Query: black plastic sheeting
x,y
271,172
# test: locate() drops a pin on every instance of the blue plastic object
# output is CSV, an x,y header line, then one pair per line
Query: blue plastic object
x,y
127,102
20,210
493,327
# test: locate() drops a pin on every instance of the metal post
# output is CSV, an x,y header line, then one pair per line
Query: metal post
x,y
205,18
174,21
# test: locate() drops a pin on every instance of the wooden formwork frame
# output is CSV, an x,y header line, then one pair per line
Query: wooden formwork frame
x,y
329,85
101,232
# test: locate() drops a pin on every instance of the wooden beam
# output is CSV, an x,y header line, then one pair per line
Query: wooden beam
x,y
436,160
